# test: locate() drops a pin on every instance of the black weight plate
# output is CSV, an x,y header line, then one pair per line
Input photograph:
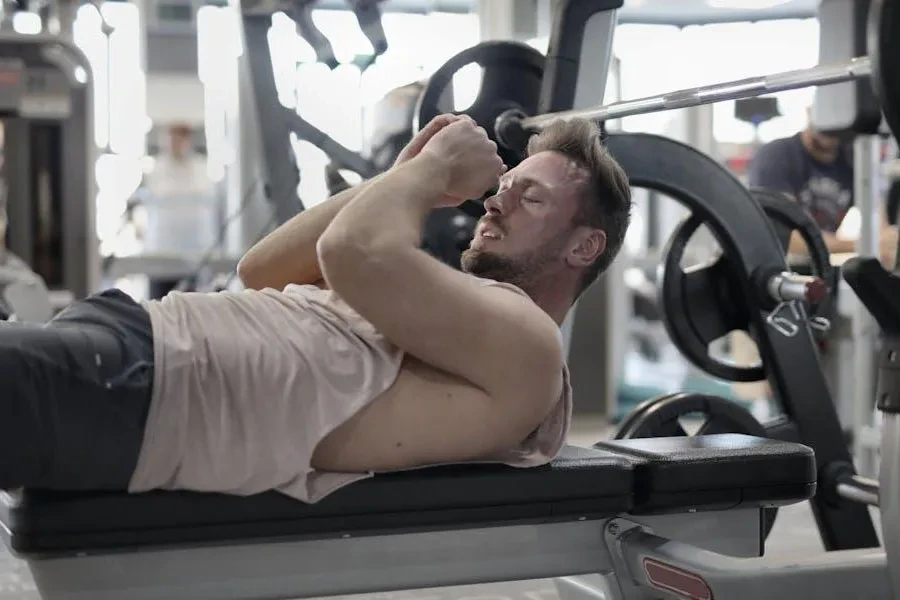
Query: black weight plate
x,y
511,79
884,52
623,432
699,306
661,419
696,308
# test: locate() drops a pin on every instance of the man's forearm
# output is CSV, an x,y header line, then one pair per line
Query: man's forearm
x,y
288,254
391,211
838,245
834,244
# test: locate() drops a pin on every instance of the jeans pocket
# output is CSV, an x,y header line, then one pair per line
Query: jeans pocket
x,y
137,375
108,362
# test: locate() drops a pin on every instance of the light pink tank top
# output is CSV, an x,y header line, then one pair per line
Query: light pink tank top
x,y
248,383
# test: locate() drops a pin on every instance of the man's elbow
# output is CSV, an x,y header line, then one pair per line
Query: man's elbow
x,y
538,384
247,272
254,271
333,252
341,258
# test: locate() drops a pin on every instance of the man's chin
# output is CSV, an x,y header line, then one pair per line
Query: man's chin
x,y
489,265
473,260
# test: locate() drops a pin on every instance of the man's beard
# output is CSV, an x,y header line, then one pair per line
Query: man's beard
x,y
520,271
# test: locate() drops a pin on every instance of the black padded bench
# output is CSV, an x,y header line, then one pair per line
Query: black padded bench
x,y
583,481
440,526
716,472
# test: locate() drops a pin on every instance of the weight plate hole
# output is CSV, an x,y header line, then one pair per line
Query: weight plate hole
x,y
466,85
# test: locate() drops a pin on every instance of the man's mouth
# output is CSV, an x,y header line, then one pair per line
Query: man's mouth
x,y
490,231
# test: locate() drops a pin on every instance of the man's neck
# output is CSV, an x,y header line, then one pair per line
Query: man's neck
x,y
823,155
554,297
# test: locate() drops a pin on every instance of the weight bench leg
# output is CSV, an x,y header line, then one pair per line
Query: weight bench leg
x,y
655,564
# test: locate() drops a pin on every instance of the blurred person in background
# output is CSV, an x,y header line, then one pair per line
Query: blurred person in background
x,y
816,169
180,207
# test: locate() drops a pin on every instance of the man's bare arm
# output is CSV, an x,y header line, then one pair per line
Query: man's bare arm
x,y
288,254
834,244
493,338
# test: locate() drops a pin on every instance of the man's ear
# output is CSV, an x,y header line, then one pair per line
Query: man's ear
x,y
588,244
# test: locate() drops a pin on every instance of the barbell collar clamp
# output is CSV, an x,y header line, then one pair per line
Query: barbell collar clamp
x,y
820,324
790,287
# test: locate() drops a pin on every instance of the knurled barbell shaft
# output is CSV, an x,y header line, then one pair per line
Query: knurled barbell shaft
x,y
856,68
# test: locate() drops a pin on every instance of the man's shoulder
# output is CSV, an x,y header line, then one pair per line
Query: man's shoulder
x,y
779,165
538,328
782,147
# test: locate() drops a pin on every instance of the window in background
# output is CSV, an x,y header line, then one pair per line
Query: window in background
x,y
26,22
120,118
748,50
651,63
334,100
800,39
219,43
660,58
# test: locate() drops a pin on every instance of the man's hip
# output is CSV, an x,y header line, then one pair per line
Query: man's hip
x,y
76,395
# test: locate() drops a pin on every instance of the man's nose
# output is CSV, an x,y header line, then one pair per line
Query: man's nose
x,y
495,205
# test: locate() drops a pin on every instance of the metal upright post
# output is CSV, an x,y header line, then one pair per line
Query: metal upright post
x,y
248,176
594,331
867,197
279,170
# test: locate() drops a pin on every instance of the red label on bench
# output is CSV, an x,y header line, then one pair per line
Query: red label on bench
x,y
672,579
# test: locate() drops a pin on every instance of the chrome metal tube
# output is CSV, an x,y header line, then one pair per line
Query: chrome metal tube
x,y
744,88
859,489
787,287
864,329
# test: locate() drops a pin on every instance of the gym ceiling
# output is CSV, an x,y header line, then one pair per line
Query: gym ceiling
x,y
672,12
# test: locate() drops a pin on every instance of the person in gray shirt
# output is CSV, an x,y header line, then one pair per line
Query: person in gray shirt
x,y
817,170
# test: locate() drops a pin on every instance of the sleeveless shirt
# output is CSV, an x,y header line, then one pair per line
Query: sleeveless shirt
x,y
247,384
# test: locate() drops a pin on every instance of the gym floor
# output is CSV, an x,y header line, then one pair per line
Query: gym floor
x,y
794,535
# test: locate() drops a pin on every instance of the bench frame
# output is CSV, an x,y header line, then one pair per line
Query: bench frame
x,y
590,558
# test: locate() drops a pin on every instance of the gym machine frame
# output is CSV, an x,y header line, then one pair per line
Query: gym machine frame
x,y
49,159
274,121
789,352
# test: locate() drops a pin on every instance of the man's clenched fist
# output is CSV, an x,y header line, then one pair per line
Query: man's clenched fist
x,y
471,157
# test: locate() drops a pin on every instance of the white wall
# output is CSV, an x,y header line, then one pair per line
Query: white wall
x,y
174,97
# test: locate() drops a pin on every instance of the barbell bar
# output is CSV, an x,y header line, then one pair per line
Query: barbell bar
x,y
512,124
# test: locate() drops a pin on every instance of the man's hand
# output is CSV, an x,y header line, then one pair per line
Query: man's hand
x,y
415,145
471,157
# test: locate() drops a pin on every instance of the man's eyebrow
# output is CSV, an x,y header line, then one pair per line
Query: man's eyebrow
x,y
522,179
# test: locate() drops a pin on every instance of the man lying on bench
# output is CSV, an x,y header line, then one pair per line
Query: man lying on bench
x,y
352,352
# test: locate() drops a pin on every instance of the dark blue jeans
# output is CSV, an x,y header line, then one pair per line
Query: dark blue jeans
x,y
74,396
